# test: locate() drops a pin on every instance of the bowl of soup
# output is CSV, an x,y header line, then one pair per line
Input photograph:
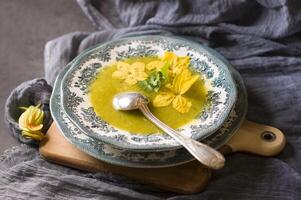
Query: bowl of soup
x,y
189,88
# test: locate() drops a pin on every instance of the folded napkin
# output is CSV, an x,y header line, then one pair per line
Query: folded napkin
x,y
260,38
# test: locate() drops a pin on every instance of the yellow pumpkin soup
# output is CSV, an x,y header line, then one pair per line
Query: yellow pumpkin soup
x,y
176,95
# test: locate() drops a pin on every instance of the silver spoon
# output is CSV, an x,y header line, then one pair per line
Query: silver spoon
x,y
205,154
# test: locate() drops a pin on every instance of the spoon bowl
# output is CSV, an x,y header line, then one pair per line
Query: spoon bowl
x,y
129,101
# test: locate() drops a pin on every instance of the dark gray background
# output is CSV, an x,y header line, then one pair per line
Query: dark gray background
x,y
24,30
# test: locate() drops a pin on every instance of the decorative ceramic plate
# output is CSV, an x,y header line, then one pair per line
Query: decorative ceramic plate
x,y
109,154
218,81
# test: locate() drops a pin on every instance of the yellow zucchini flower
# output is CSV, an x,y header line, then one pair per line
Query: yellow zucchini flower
x,y
155,65
170,57
179,86
130,73
31,122
177,64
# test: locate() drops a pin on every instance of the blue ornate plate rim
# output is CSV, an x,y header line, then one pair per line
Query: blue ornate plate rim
x,y
218,59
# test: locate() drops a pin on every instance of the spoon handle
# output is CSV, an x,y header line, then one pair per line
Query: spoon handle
x,y
202,152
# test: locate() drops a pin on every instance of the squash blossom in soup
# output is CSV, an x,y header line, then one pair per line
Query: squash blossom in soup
x,y
177,94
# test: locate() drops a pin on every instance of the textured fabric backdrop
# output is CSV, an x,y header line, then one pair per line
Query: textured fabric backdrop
x,y
261,39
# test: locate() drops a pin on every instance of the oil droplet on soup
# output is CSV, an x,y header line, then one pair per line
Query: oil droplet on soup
x,y
103,89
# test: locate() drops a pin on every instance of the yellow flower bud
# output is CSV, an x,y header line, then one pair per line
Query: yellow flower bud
x,y
31,122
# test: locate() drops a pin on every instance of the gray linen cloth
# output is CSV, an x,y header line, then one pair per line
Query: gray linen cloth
x,y
260,38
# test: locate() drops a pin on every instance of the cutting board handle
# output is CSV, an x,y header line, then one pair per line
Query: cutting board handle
x,y
256,139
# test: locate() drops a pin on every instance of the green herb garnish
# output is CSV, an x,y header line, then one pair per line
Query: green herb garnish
x,y
164,70
153,83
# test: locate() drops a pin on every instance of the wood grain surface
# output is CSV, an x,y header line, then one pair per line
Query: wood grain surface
x,y
187,178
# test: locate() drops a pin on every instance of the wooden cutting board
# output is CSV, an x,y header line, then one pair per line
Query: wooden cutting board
x,y
187,178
